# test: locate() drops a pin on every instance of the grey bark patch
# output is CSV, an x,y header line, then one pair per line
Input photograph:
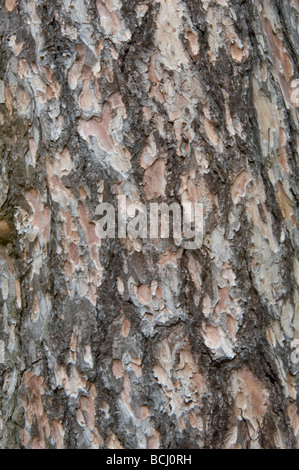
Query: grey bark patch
x,y
2,92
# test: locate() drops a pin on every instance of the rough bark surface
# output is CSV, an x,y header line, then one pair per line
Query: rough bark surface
x,y
140,343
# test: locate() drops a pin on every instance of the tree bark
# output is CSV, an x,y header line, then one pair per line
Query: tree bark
x,y
141,343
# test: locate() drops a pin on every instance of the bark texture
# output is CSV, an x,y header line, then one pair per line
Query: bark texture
x,y
128,343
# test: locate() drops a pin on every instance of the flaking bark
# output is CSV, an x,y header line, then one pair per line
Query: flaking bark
x,y
124,343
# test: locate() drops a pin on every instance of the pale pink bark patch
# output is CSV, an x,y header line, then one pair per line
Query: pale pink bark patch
x,y
154,180
98,129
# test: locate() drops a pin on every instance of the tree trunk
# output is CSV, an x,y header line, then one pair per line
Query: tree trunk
x,y
141,342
